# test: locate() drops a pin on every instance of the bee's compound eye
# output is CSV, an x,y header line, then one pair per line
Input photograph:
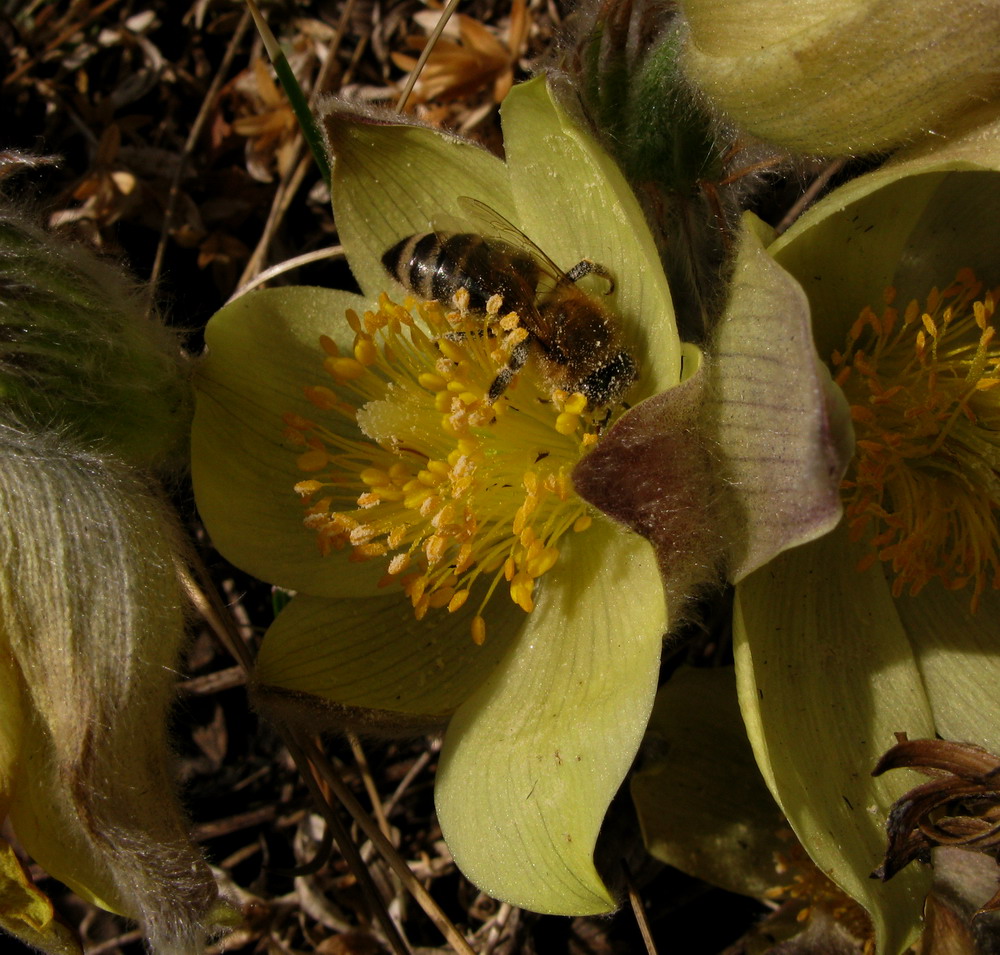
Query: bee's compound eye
x,y
611,381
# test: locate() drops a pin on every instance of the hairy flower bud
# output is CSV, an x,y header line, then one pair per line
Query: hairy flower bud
x,y
78,354
91,623
840,77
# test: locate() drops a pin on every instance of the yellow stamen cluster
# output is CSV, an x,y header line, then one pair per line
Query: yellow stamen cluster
x,y
924,487
417,467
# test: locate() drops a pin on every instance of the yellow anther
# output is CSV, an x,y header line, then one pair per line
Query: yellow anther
x,y
399,563
344,369
328,345
478,631
545,560
314,459
362,533
444,517
442,597
431,380
465,558
428,477
576,404
421,607
323,398
399,473
308,488
435,547
413,499
522,514
371,549
567,423
457,600
521,588
452,350
582,523
532,549
365,351
430,505
414,587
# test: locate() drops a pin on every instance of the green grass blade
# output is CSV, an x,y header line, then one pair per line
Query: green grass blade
x,y
297,99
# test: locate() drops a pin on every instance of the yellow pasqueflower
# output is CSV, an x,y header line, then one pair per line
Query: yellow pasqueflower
x,y
841,77
848,631
425,486
888,624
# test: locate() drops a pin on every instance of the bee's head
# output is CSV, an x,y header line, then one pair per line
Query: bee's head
x,y
611,381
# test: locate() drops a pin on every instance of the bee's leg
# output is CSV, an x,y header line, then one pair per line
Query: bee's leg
x,y
589,267
505,375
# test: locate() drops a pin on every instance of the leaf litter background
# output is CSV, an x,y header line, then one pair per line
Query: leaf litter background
x,y
177,154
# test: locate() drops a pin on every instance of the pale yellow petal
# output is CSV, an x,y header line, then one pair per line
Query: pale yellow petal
x,y
826,677
531,761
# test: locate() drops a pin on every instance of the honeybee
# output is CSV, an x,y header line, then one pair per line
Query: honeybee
x,y
574,339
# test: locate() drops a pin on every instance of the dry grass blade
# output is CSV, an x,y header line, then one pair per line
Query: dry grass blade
x,y
387,850
639,911
451,7
307,258
303,753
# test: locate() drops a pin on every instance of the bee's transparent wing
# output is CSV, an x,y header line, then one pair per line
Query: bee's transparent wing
x,y
489,222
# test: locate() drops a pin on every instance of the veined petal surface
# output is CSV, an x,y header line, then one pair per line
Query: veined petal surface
x,y
574,202
910,224
372,652
782,426
826,676
531,761
958,654
392,180
263,350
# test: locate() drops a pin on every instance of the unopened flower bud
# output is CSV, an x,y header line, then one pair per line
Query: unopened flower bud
x,y
840,77
79,355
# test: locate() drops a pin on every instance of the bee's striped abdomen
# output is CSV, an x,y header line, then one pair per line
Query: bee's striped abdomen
x,y
435,265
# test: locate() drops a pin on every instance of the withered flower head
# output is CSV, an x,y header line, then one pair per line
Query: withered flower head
x,y
960,807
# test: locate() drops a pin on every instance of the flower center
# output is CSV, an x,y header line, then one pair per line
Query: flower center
x,y
416,466
924,485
